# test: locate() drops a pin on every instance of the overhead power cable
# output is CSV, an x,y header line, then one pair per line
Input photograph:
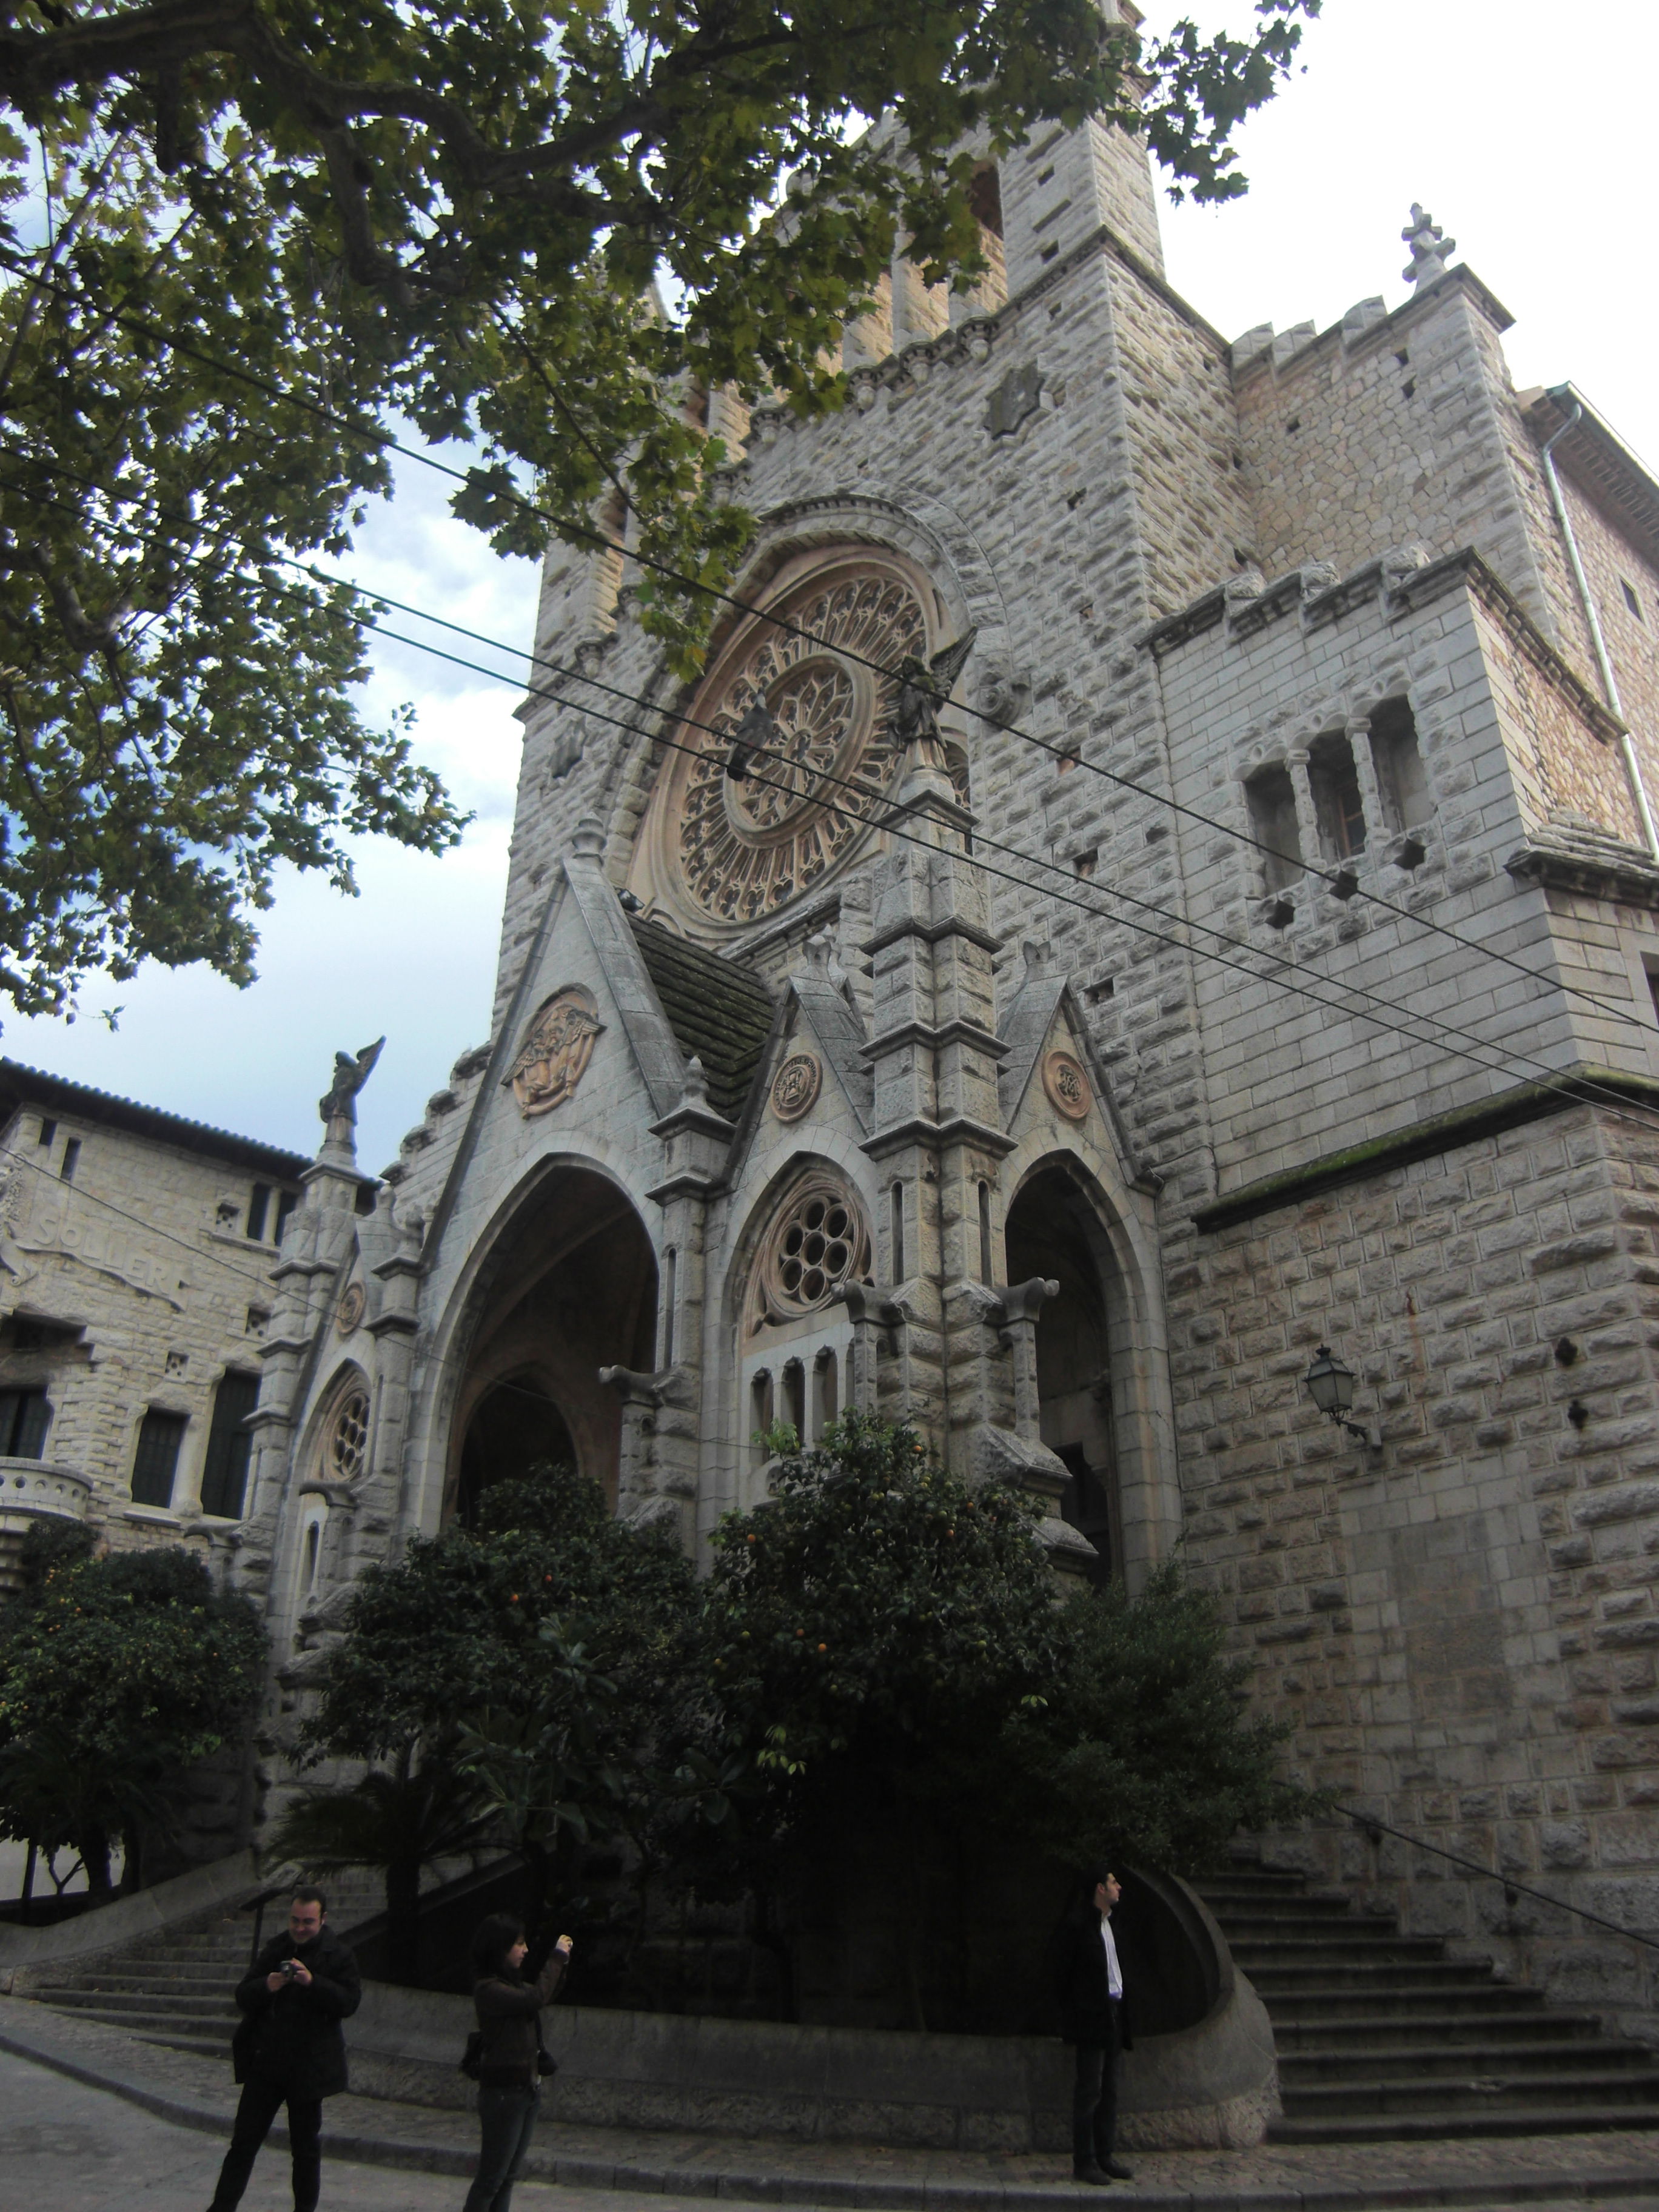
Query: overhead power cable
x,y
889,818
590,533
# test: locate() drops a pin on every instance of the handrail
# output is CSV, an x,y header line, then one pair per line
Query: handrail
x,y
1377,1830
257,1905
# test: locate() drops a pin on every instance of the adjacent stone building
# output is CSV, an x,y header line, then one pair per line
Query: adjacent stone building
x,y
137,1252
1156,880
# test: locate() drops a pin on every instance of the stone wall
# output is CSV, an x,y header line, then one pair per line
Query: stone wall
x,y
1460,1625
1612,560
135,1286
1385,433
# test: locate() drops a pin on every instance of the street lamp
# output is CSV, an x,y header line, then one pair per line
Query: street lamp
x,y
1330,1385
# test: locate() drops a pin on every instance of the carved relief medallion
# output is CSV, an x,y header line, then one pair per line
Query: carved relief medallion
x,y
731,836
818,1241
1066,1085
796,1086
350,1311
557,1048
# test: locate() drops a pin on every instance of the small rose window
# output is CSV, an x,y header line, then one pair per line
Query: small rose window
x,y
348,1437
819,1241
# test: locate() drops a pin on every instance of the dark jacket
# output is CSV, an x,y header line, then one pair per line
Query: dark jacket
x,y
508,2006
1079,1961
292,2036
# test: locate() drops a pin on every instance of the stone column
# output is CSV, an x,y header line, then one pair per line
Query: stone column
x,y
378,1504
1307,815
1378,828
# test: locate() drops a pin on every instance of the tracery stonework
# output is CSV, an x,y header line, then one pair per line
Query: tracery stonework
x,y
819,1241
557,1048
347,1438
725,850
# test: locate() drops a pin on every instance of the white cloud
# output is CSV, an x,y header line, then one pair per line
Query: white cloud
x,y
1525,131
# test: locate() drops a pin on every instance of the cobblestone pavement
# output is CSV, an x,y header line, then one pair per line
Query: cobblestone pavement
x,y
608,2168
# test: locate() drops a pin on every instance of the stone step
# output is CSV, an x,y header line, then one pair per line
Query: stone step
x,y
202,2046
108,2005
1270,1897
126,1974
1317,1974
1471,2063
1306,2007
1450,2028
1304,1917
1414,2094
1342,1943
1442,2124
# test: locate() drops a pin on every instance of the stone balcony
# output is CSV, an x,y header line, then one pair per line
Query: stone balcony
x,y
30,1490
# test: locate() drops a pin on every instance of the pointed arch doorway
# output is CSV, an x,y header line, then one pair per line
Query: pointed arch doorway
x,y
570,1287
1052,1230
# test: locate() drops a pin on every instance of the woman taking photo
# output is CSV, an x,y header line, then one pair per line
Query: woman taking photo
x,y
510,2031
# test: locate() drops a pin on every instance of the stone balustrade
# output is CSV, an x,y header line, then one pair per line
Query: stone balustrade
x,y
29,1490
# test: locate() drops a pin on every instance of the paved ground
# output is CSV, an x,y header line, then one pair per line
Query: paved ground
x,y
72,2145
67,2149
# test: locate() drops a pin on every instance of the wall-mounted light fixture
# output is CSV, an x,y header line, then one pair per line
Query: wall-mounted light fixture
x,y
1330,1385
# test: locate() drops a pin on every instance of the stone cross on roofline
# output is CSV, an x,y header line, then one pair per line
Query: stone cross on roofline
x,y
1431,250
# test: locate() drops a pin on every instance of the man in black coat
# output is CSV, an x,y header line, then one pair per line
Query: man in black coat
x,y
288,2049
1089,1983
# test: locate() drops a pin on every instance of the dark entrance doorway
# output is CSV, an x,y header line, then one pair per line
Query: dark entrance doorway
x,y
571,1287
513,1428
1053,1231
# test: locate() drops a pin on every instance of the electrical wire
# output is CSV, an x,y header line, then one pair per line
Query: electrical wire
x,y
1588,1093
568,526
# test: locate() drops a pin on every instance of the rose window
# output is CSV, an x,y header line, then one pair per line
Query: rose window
x,y
822,663
347,1438
819,1242
812,706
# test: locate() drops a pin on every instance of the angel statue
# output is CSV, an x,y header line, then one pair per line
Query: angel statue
x,y
339,1103
924,688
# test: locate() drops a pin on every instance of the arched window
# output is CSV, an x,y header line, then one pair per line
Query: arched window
x,y
1272,801
794,1398
229,1445
760,1418
818,1241
346,1442
826,1393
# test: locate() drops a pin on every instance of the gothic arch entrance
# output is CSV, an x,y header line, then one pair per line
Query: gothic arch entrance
x,y
571,1287
1054,1231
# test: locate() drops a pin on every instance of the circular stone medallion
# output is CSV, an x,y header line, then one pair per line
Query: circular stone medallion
x,y
796,1086
1066,1085
350,1311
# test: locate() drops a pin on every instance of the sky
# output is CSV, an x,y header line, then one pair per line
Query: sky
x,y
1523,128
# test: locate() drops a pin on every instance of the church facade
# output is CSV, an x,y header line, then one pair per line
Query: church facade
x,y
1155,883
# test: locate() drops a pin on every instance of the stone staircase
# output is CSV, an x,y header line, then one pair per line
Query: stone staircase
x,y
177,1989
1383,2037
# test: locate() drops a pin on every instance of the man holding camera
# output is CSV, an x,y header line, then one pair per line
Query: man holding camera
x,y
288,2049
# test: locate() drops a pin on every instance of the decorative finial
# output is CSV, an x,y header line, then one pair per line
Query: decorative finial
x,y
588,843
693,1091
1431,250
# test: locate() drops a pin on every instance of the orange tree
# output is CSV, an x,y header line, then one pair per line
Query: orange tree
x,y
117,1676
872,1631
